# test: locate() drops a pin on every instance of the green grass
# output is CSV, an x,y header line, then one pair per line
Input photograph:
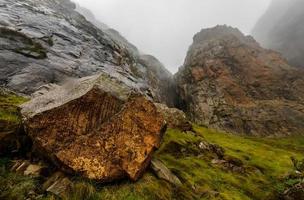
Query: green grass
x,y
9,103
272,156
266,163
12,185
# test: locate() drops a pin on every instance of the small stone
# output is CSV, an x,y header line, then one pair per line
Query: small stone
x,y
58,184
33,170
163,172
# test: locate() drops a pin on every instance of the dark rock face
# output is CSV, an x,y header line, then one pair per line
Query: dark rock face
x,y
229,82
281,28
49,42
99,127
157,75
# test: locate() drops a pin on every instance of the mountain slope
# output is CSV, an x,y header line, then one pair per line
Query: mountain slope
x,y
281,29
229,82
49,42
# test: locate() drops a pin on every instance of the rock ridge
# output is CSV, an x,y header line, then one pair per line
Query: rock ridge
x,y
231,83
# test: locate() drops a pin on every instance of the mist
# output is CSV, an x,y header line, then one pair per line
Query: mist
x,y
164,28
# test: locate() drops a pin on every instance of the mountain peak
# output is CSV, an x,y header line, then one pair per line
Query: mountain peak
x,y
228,79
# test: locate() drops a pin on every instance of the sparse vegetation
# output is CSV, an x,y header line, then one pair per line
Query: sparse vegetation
x,y
14,186
266,162
9,106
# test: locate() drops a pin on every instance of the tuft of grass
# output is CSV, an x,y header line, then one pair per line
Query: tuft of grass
x,y
9,102
8,98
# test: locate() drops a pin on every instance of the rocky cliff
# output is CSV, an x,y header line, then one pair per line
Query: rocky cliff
x,y
281,29
229,82
49,42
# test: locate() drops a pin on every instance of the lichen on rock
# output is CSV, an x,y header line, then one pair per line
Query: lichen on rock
x,y
98,127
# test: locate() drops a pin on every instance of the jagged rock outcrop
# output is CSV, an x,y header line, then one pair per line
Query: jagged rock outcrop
x,y
99,127
49,42
175,118
281,28
229,82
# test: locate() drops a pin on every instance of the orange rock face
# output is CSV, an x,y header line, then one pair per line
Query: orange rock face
x,y
99,135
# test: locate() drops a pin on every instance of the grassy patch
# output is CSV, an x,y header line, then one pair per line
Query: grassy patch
x,y
271,156
12,185
267,162
9,102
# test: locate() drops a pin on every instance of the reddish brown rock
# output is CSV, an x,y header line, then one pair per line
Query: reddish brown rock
x,y
229,82
98,128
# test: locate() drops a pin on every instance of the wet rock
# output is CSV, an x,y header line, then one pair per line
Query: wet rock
x,y
229,82
162,172
97,127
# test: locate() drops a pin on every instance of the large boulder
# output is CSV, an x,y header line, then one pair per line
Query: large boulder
x,y
230,83
97,127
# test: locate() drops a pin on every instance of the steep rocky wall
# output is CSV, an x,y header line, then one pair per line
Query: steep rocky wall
x,y
49,42
229,82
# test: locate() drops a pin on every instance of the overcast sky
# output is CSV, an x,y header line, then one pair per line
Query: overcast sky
x,y
164,28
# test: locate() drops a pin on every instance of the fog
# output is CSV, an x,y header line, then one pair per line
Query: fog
x,y
164,28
